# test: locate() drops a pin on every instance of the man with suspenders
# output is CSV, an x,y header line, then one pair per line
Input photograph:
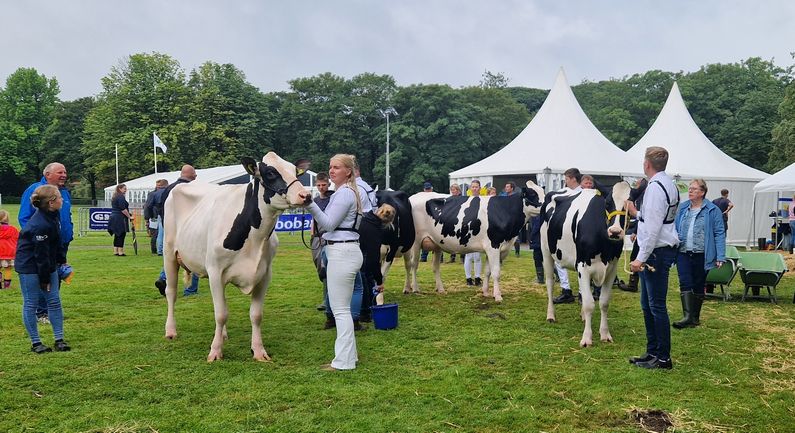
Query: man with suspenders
x,y
657,242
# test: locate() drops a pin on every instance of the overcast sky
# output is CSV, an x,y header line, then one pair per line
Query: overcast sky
x,y
415,41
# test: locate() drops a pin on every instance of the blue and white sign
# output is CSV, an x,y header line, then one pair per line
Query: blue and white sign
x,y
98,218
291,223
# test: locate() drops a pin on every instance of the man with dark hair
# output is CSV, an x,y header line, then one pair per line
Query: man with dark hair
x,y
572,178
322,199
151,215
725,205
657,243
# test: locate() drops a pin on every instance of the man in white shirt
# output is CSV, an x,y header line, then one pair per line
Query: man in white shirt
x,y
657,241
571,179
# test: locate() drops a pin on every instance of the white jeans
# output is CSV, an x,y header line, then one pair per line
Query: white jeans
x,y
344,261
563,274
468,259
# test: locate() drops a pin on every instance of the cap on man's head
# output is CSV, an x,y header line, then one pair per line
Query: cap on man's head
x,y
427,185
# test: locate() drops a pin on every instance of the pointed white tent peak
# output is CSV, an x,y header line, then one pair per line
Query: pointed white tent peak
x,y
691,153
559,137
781,181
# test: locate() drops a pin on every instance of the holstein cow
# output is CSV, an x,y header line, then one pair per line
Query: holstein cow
x,y
225,232
461,225
575,234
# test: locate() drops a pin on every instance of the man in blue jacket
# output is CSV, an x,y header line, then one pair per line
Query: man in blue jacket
x,y
54,174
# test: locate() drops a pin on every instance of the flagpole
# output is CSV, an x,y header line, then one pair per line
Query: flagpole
x,y
117,164
154,149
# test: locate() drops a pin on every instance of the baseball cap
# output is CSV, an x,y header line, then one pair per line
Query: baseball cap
x,y
427,185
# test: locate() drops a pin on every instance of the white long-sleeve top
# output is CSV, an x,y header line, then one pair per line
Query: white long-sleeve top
x,y
340,212
652,233
366,194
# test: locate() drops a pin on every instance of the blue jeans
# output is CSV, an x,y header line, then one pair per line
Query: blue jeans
x,y
692,274
356,299
653,292
32,294
160,236
194,283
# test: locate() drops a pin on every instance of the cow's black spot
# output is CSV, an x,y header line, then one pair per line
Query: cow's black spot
x,y
470,226
445,211
592,239
555,216
247,218
506,218
272,181
403,235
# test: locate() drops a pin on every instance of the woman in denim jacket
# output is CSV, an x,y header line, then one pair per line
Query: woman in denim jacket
x,y
702,246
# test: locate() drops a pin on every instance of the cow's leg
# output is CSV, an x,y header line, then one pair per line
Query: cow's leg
x,y
437,272
171,267
221,313
549,276
412,262
604,301
255,313
587,303
493,267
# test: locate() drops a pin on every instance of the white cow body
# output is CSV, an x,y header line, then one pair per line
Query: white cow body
x,y
576,235
224,233
463,225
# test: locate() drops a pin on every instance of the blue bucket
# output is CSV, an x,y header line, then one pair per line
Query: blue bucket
x,y
385,316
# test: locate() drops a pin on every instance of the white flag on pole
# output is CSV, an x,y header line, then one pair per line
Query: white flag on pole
x,y
159,144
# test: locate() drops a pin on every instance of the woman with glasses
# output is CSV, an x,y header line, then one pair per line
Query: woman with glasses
x,y
702,246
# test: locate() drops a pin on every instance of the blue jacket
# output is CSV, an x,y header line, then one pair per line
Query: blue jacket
x,y
714,232
39,249
26,211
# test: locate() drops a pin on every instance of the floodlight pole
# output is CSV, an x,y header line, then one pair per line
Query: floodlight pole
x,y
385,113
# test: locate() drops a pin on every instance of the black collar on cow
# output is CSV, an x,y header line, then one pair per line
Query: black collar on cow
x,y
280,191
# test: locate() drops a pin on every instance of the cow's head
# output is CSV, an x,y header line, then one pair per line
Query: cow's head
x,y
532,196
616,214
279,179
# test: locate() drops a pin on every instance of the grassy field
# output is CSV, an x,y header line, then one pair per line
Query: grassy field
x,y
456,363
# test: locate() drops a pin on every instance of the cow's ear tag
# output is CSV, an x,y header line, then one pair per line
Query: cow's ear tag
x,y
250,165
301,166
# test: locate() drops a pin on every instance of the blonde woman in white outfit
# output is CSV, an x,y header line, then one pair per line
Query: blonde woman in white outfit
x,y
340,222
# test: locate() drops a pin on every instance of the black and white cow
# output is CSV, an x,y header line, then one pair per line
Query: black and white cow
x,y
225,232
462,225
584,230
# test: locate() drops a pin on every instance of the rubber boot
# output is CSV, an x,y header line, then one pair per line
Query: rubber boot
x,y
698,300
633,282
688,300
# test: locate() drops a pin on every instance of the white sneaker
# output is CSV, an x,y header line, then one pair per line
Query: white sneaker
x,y
44,320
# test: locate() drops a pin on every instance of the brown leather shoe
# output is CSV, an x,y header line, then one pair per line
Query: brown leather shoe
x,y
327,367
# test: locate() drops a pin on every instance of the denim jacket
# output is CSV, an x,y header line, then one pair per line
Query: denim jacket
x,y
714,232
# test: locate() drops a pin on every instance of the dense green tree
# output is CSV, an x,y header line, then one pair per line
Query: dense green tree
x,y
228,118
783,152
144,94
26,108
736,106
63,142
532,99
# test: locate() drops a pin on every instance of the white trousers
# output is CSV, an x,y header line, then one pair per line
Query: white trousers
x,y
468,259
563,274
344,261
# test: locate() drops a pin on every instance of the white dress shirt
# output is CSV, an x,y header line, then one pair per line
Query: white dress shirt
x,y
652,233
340,212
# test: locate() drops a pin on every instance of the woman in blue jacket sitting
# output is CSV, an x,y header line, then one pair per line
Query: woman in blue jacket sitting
x,y
702,246
39,254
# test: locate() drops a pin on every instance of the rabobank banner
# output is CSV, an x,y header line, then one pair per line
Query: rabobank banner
x,y
291,223
98,218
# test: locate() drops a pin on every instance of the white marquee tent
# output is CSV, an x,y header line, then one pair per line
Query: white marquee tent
x,y
780,184
559,137
693,155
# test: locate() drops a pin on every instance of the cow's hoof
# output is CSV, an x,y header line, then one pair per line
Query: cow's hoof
x,y
406,292
261,355
440,290
551,319
607,339
498,299
170,335
215,356
586,343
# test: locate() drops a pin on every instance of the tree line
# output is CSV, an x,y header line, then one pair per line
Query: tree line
x,y
213,116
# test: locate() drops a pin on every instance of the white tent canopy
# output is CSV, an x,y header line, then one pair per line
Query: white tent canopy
x,y
559,137
692,155
782,181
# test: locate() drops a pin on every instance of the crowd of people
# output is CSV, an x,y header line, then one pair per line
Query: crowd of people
x,y
347,233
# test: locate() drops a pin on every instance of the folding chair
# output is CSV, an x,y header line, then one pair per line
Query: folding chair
x,y
724,275
761,269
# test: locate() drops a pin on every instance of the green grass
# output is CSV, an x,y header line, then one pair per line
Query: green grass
x,y
452,365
